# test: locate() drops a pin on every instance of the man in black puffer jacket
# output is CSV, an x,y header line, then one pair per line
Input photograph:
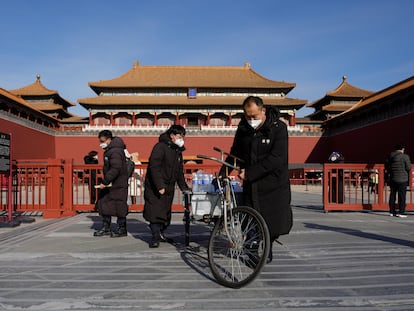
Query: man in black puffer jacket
x,y
165,169
114,186
398,165
261,141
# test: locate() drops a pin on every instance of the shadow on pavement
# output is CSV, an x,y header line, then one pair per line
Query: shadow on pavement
x,y
96,222
194,255
310,207
361,234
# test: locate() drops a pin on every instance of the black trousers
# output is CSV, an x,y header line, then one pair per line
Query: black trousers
x,y
399,188
157,228
121,221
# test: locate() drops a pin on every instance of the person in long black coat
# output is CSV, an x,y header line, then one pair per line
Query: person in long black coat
x,y
114,186
261,140
165,169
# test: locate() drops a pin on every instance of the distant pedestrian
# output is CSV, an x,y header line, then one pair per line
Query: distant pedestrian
x,y
398,165
165,169
373,182
134,189
114,186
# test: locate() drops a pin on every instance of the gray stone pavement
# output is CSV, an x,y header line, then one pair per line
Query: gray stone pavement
x,y
330,261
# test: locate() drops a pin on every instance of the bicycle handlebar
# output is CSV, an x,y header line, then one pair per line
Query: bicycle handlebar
x,y
219,161
228,154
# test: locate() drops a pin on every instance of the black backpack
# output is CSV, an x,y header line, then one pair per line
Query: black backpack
x,y
130,167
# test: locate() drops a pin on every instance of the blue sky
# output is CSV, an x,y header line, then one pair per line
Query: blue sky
x,y
310,42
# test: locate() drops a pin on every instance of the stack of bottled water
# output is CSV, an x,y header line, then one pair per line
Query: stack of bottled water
x,y
202,182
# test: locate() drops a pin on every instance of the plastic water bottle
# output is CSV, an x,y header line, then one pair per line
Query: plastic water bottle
x,y
195,182
205,182
210,183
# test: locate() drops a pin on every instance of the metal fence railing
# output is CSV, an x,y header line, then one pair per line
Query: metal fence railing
x,y
358,187
59,187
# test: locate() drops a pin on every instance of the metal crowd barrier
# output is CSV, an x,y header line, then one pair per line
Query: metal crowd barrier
x,y
59,187
356,187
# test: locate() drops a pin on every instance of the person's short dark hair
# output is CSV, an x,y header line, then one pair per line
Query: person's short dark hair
x,y
399,146
105,133
176,130
92,153
253,99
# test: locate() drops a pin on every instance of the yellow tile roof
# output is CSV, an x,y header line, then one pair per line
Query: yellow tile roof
x,y
389,91
190,76
38,89
35,89
344,90
25,104
375,99
46,106
185,101
347,90
338,107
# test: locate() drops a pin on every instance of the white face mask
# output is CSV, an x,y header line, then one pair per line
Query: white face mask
x,y
254,123
103,145
179,142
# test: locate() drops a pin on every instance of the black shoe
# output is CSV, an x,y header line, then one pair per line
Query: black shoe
x,y
163,238
155,241
121,232
102,232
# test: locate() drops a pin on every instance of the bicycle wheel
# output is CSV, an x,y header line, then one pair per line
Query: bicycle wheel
x,y
237,261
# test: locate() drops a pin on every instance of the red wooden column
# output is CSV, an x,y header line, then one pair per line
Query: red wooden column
x,y
54,191
177,118
155,119
134,121
67,208
229,120
292,120
208,118
90,118
112,118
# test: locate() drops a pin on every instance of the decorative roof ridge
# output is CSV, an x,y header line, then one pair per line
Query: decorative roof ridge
x,y
137,65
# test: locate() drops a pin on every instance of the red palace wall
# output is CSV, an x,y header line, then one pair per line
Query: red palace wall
x,y
308,149
301,148
28,143
371,144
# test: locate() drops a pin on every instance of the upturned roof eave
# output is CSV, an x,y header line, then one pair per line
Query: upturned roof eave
x,y
374,98
21,101
105,101
285,88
